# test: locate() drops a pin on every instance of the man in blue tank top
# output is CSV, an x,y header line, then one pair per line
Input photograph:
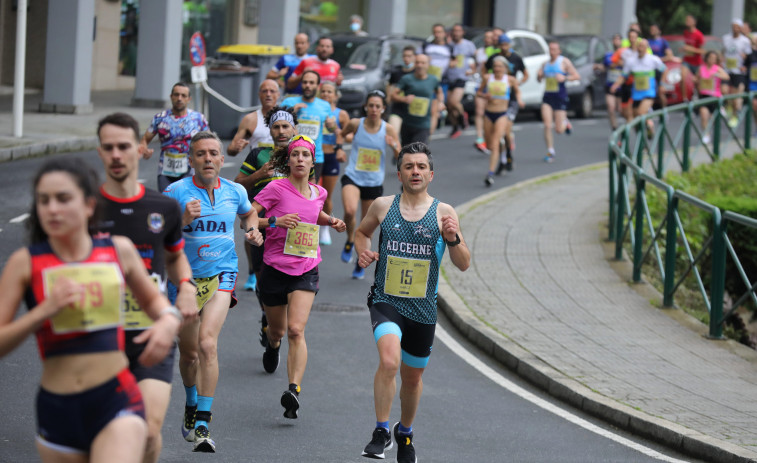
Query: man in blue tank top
x,y
415,230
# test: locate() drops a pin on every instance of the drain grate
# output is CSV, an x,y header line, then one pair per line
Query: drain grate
x,y
327,307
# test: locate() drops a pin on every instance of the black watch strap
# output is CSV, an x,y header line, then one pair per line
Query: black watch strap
x,y
453,243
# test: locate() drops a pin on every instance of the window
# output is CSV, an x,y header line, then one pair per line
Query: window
x,y
600,49
526,46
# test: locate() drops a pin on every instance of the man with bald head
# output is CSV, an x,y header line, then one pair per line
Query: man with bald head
x,y
252,129
418,90
286,65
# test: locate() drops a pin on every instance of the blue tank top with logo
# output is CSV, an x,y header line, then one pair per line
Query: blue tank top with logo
x,y
552,86
365,166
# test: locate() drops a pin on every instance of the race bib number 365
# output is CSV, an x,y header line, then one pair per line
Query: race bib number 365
x,y
302,241
99,306
406,277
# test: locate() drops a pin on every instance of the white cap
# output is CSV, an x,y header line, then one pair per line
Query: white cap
x,y
737,22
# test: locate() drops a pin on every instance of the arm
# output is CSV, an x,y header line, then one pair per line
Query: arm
x,y
393,140
192,211
249,181
246,126
450,228
146,139
296,77
525,77
368,225
570,71
350,128
180,273
516,90
481,89
722,74
333,222
540,74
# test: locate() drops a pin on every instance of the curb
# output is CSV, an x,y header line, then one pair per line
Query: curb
x,y
55,146
550,379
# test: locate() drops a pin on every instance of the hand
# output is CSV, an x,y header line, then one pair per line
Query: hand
x,y
367,258
330,123
192,211
145,152
288,221
186,302
160,339
239,144
561,78
341,156
449,228
268,168
614,88
521,104
337,224
392,142
409,98
299,106
254,237
66,292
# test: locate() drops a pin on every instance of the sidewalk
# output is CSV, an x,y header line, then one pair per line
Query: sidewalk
x,y
542,295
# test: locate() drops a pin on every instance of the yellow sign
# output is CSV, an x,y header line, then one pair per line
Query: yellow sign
x,y
641,82
418,107
99,306
406,277
368,160
551,85
206,288
302,241
134,317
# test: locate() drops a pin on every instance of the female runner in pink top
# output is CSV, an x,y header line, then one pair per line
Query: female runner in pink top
x,y
709,76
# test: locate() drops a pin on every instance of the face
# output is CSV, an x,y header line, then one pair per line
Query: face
x,y
654,31
633,36
736,29
421,63
374,107
324,49
300,162
206,157
554,50
505,47
457,33
690,21
499,68
327,93
643,44
617,41
711,59
301,44
309,85
61,205
118,151
415,172
179,98
439,33
269,94
488,39
408,57
281,132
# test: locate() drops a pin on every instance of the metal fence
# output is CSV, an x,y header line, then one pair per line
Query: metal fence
x,y
638,162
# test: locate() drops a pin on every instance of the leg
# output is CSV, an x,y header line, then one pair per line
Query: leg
x,y
155,394
611,108
48,455
497,132
455,108
277,324
298,312
434,117
189,348
410,393
396,122
704,115
122,440
546,117
385,380
561,120
329,183
479,119
212,318
350,198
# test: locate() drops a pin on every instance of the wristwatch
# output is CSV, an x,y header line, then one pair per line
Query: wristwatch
x,y
173,311
453,243
272,221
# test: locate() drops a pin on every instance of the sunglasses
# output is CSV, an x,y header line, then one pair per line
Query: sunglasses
x,y
377,93
302,137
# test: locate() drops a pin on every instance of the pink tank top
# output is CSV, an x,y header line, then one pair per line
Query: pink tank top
x,y
709,83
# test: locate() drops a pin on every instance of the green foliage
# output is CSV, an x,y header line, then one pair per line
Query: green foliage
x,y
670,15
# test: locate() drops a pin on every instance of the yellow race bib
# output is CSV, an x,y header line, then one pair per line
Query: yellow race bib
x,y
460,61
206,288
418,107
302,241
551,85
100,304
706,84
497,89
641,82
134,317
368,160
435,71
731,63
406,277
753,73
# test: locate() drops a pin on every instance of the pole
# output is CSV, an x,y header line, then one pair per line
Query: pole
x,y
20,71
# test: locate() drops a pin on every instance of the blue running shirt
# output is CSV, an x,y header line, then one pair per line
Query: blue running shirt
x,y
310,121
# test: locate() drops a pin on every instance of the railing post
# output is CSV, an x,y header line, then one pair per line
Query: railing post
x,y
717,289
613,162
662,127
716,129
642,139
621,212
671,250
748,122
686,137
638,229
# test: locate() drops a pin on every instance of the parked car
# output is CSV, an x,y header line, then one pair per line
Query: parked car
x,y
586,52
366,64
533,48
672,84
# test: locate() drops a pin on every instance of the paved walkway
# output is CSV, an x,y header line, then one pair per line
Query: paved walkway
x,y
542,295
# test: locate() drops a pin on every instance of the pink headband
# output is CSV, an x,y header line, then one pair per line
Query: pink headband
x,y
301,142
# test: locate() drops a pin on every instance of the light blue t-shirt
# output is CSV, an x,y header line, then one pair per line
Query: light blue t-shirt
x,y
209,239
310,121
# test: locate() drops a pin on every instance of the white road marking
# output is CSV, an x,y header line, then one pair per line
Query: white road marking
x,y
228,164
20,218
500,380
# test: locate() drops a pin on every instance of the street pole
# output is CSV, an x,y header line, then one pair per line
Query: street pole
x,y
20,71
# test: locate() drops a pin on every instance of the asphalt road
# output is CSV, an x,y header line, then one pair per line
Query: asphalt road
x,y
464,415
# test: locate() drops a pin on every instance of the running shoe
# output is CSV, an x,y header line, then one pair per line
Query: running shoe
x,y
549,158
358,273
347,252
405,449
325,235
271,358
203,442
509,164
381,441
251,282
188,425
489,180
456,132
291,404
481,146
568,128
733,121
500,168
264,331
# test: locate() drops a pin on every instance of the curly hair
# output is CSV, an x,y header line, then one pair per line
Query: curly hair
x,y
280,161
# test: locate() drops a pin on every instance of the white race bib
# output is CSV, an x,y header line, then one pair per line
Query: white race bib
x,y
175,164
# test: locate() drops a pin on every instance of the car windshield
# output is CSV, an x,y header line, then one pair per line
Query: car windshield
x,y
576,50
365,56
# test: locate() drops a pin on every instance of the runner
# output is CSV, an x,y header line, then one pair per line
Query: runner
x,y
289,279
333,153
153,223
313,114
614,70
256,172
174,127
397,109
417,90
642,68
660,48
210,206
750,64
439,53
363,177
692,50
497,88
286,65
736,47
554,106
322,64
462,66
88,406
708,79
618,59
252,129
415,228
482,55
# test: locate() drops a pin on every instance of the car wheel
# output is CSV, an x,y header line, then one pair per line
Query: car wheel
x,y
586,105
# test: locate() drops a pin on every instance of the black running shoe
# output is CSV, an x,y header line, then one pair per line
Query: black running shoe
x,y
263,329
271,358
509,164
500,168
381,441
291,404
203,442
405,449
489,180
188,425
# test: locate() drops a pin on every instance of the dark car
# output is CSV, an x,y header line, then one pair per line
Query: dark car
x,y
672,84
587,53
366,64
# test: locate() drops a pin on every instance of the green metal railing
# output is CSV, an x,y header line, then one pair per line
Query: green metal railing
x,y
638,162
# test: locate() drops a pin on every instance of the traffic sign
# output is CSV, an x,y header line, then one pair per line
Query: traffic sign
x,y
197,50
199,74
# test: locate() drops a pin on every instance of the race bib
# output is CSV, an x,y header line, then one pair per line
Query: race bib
x,y
435,71
368,160
134,317
99,306
406,277
460,61
309,127
418,107
175,164
613,75
206,288
753,73
706,84
497,89
732,63
641,82
262,144
551,85
302,241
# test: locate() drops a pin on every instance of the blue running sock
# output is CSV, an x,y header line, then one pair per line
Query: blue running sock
x,y
191,392
491,174
203,405
402,430
382,424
